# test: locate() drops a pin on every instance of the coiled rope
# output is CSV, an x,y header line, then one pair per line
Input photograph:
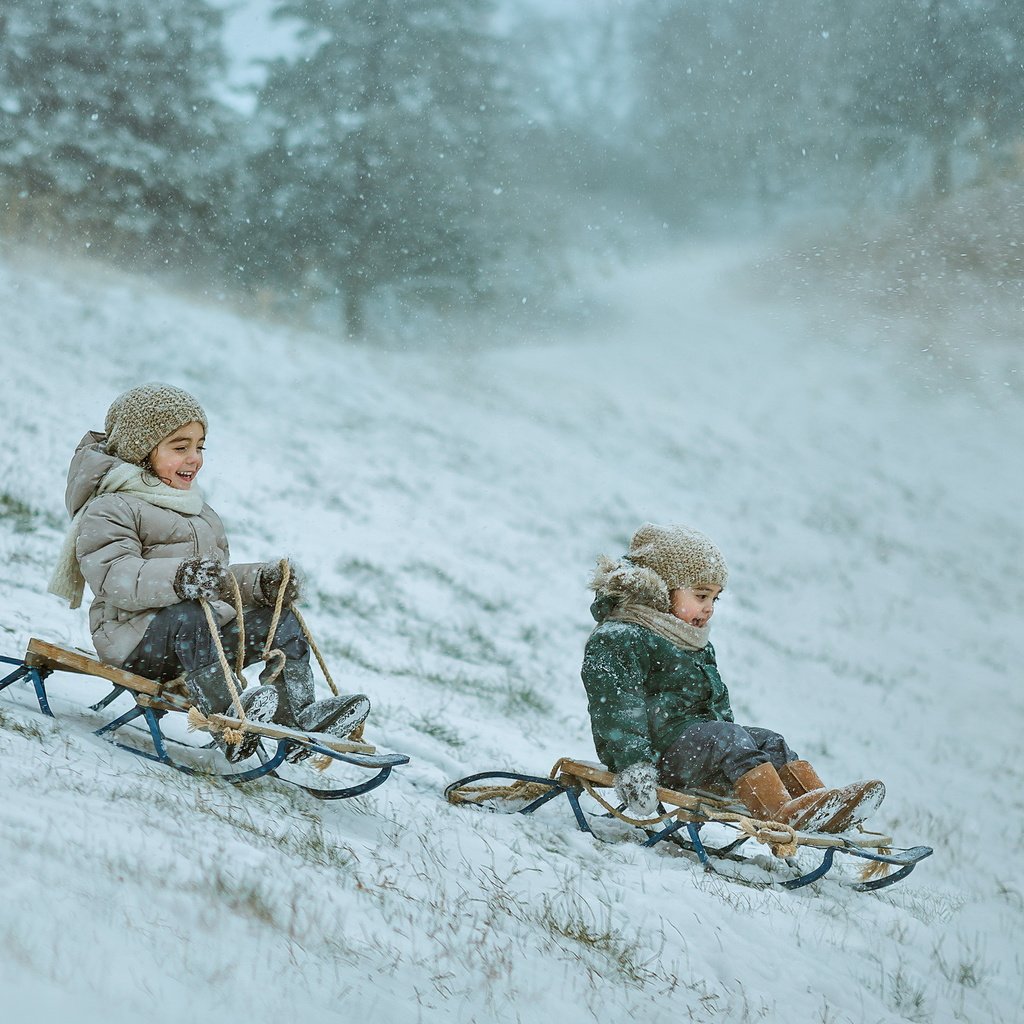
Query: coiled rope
x,y
775,834
229,733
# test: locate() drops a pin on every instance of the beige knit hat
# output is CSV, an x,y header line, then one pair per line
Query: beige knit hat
x,y
660,559
682,557
138,420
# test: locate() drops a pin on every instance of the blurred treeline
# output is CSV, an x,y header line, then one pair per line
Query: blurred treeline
x,y
463,152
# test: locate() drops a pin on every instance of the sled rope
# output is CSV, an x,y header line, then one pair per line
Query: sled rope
x,y
321,762
775,834
196,719
875,869
286,572
269,650
357,732
616,813
781,838
767,832
315,649
236,595
521,790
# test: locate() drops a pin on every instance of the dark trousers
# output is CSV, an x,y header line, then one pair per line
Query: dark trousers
x,y
178,641
713,755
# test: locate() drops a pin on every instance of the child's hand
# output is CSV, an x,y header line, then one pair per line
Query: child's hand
x,y
201,578
636,787
270,579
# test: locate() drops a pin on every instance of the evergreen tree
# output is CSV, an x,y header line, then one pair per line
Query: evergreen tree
x,y
108,121
381,166
573,84
932,73
733,101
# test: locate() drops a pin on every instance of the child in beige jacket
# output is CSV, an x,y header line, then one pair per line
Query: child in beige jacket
x,y
151,550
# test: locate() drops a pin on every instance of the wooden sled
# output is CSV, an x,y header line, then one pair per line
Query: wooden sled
x,y
682,814
154,700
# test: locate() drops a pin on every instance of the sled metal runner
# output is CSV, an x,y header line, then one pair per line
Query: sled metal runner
x,y
154,700
686,814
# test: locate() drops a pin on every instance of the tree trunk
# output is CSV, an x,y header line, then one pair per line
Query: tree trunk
x,y
942,170
355,310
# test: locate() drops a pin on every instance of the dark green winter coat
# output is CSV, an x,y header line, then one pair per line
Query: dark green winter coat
x,y
644,690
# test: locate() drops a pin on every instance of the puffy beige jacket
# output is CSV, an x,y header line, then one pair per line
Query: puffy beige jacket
x,y
129,551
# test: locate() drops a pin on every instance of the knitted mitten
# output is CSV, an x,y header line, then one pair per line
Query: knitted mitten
x,y
201,577
270,582
636,787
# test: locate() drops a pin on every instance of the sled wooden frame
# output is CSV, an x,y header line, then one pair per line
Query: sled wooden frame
x,y
688,811
154,700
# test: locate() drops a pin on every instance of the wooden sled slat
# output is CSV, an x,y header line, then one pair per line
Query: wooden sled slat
x,y
54,658
681,823
601,777
703,805
161,697
152,700
280,732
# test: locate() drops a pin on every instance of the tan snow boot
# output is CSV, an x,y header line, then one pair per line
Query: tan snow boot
x,y
763,793
859,798
799,777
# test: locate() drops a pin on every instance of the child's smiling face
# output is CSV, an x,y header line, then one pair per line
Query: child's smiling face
x,y
695,605
178,457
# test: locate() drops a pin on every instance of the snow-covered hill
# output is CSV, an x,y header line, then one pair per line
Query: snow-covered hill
x,y
447,512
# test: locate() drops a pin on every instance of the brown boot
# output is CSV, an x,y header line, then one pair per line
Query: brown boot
x,y
820,810
859,798
799,777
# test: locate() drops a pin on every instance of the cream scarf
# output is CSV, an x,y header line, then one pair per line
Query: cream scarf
x,y
67,580
682,634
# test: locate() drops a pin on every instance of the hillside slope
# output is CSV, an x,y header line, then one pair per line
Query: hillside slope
x,y
447,512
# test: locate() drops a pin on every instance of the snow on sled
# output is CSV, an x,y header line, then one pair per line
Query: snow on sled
x,y
683,814
155,700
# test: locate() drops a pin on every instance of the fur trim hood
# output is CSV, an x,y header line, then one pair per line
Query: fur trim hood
x,y
617,582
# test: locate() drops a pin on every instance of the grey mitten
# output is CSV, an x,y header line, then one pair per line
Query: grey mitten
x,y
201,578
270,582
636,787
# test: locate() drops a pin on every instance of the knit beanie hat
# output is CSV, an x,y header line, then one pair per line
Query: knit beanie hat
x,y
138,420
682,557
660,559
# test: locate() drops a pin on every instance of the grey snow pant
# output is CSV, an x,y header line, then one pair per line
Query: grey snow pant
x,y
713,755
178,641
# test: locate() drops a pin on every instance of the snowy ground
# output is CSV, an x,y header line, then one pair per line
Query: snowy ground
x,y
447,512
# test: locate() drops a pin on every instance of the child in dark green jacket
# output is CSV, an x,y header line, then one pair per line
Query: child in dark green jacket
x,y
659,710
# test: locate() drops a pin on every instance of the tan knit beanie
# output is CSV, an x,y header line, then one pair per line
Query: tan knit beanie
x,y
138,420
680,556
